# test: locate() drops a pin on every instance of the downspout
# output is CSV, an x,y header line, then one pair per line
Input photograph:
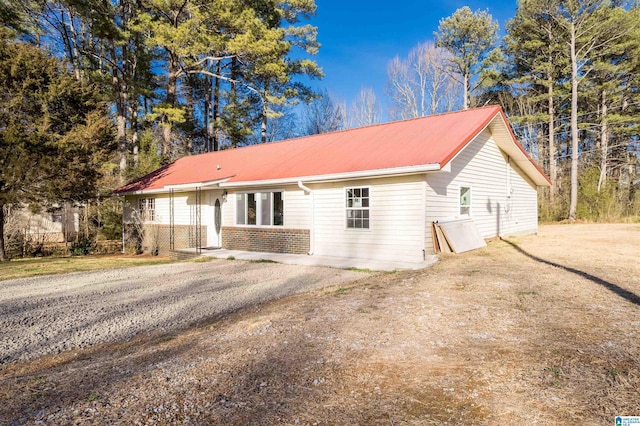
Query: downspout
x,y
307,190
509,189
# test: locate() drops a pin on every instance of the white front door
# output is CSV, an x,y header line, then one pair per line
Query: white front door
x,y
217,222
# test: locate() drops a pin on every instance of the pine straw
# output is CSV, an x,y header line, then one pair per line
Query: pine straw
x,y
494,336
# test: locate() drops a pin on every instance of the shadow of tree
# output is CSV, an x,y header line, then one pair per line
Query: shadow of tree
x,y
614,288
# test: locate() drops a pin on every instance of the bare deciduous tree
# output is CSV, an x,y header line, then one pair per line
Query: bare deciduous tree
x,y
421,85
323,115
365,110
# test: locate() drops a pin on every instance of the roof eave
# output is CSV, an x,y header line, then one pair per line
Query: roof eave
x,y
141,191
191,186
525,161
336,177
181,187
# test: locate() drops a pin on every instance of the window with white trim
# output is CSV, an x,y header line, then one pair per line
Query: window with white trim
x,y
465,200
147,209
260,208
357,208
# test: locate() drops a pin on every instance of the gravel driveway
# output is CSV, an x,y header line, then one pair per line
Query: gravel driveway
x,y
51,314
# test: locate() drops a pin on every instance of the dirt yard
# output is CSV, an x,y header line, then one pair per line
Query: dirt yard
x,y
532,330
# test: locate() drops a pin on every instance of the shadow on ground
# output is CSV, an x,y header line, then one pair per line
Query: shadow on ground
x,y
614,288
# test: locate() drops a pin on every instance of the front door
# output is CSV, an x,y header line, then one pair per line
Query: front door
x,y
217,221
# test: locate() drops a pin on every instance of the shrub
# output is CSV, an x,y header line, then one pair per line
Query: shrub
x,y
82,247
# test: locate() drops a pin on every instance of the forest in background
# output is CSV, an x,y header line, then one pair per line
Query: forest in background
x,y
101,92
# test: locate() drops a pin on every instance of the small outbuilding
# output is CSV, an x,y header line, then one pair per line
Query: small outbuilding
x,y
370,192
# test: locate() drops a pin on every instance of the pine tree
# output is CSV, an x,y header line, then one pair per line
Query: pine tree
x,y
536,49
590,26
471,39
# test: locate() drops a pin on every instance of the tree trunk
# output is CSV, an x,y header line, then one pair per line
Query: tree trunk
x,y
263,125
3,253
172,83
574,126
77,67
216,107
466,91
135,138
122,141
553,172
120,95
206,118
265,107
191,108
68,41
604,144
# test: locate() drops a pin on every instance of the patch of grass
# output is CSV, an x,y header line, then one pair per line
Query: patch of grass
x,y
554,372
231,258
166,338
38,379
614,373
31,267
341,291
92,397
365,270
527,293
202,259
262,261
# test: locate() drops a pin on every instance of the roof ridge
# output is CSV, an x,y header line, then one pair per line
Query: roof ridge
x,y
404,120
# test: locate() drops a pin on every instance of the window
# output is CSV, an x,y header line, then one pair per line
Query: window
x,y
260,208
241,209
278,209
465,200
251,209
357,208
57,217
147,209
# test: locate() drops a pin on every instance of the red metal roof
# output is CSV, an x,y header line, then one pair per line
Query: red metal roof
x,y
414,142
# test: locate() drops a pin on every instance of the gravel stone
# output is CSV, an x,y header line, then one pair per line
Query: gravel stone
x,y
50,314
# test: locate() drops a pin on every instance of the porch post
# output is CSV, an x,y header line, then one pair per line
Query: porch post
x,y
198,220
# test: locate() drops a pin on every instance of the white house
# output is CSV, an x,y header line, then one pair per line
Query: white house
x,y
54,225
370,192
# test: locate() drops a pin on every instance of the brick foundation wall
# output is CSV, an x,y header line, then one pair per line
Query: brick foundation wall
x,y
271,240
159,236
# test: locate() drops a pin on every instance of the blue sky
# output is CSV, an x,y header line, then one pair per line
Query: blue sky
x,y
359,37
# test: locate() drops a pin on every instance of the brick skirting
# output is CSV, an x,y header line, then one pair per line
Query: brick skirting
x,y
271,240
158,237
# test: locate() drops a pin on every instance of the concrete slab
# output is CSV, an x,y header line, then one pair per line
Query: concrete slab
x,y
315,260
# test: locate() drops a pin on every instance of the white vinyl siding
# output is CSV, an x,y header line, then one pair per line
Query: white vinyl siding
x,y
397,220
184,204
483,167
297,204
524,204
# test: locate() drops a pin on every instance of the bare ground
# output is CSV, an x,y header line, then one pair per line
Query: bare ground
x,y
533,330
